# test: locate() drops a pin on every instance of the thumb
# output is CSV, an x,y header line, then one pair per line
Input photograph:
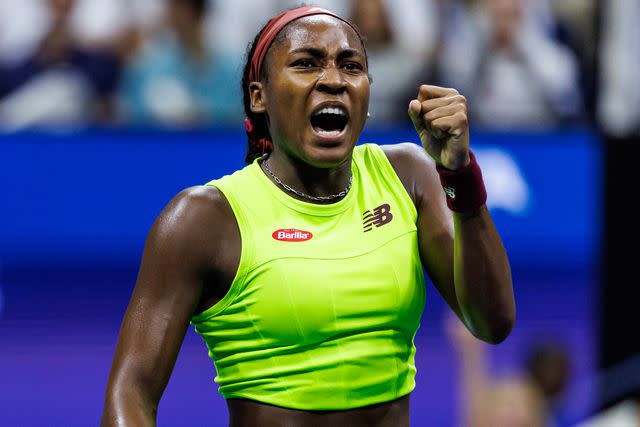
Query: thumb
x,y
415,110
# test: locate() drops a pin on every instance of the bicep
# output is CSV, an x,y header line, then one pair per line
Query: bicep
x,y
156,320
436,234
417,171
165,297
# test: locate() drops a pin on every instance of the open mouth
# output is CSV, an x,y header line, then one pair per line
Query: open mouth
x,y
329,121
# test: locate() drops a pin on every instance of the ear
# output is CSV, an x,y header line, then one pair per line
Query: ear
x,y
258,98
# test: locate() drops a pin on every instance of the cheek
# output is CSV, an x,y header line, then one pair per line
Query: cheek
x,y
289,97
362,86
362,90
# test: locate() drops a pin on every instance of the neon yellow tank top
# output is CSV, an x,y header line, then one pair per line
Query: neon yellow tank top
x,y
327,299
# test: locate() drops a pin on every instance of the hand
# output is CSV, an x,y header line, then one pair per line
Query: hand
x,y
440,118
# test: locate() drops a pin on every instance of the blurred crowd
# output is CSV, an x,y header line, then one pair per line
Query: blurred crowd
x,y
177,63
533,397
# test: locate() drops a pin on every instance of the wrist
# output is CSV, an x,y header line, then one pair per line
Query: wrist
x,y
458,165
464,188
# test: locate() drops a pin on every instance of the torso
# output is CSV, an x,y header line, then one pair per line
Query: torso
x,y
248,413
218,277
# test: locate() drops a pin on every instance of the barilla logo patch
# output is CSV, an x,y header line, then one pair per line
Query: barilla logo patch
x,y
292,235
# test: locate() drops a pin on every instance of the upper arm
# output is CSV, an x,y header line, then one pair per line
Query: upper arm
x,y
417,171
166,294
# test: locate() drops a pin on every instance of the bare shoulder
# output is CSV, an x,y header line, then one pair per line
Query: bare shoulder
x,y
199,201
194,215
415,168
405,152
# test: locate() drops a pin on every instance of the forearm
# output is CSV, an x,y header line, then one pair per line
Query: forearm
x,y
471,271
482,277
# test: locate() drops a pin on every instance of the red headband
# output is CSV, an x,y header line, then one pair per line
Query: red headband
x,y
275,26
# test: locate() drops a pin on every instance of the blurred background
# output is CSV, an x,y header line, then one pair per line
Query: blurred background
x,y
109,108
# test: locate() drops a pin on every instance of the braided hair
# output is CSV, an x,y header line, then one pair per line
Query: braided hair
x,y
258,136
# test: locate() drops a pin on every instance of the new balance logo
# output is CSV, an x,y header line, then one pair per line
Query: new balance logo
x,y
379,217
450,191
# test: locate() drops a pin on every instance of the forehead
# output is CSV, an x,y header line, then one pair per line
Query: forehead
x,y
320,31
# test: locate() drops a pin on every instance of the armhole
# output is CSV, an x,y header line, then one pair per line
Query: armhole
x,y
390,173
243,266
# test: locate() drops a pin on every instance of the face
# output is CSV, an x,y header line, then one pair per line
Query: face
x,y
316,93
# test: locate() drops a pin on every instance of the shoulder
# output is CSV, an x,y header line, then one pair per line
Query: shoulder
x,y
402,156
194,216
406,154
199,202
415,169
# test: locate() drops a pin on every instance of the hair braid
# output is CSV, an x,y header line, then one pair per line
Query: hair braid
x,y
258,136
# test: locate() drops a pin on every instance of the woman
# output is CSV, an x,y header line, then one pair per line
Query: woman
x,y
303,271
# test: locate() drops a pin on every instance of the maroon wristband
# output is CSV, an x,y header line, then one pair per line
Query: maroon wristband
x,y
464,187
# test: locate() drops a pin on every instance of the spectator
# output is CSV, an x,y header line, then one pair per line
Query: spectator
x,y
178,79
619,102
576,28
549,367
504,59
528,400
394,60
62,81
232,25
619,119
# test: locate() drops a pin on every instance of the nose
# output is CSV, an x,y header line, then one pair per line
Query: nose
x,y
331,81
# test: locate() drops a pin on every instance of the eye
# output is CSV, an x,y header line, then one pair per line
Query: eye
x,y
303,63
352,66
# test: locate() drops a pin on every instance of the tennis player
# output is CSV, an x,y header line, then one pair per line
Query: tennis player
x,y
303,272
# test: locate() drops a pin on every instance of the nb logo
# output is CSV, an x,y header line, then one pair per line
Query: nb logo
x,y
450,191
379,217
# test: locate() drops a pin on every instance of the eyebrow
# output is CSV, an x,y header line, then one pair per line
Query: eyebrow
x,y
321,53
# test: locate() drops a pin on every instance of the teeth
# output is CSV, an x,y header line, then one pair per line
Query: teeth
x,y
329,132
331,110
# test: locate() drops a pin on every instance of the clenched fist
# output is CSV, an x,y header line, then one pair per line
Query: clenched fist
x,y
440,118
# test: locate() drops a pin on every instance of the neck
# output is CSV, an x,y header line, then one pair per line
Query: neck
x,y
307,179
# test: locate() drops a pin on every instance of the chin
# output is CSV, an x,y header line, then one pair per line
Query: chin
x,y
323,155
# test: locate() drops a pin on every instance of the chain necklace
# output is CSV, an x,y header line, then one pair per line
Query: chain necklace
x,y
301,194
